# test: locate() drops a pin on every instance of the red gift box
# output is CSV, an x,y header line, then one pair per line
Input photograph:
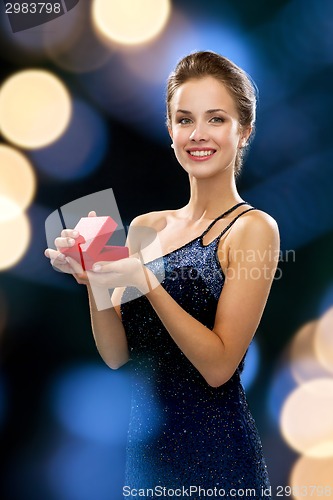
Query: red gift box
x,y
90,245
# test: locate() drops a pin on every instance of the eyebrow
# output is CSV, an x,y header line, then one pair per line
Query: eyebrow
x,y
211,111
208,112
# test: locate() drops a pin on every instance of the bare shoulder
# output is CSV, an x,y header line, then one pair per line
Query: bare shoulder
x,y
260,221
258,227
155,220
257,235
144,228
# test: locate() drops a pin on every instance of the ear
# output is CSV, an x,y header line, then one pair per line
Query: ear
x,y
170,132
244,137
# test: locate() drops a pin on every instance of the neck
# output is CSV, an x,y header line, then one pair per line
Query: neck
x,y
211,197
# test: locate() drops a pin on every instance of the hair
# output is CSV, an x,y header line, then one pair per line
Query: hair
x,y
238,83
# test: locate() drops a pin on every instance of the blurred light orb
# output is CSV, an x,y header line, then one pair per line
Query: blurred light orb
x,y
307,416
15,233
33,266
92,402
152,63
9,210
17,178
251,365
304,363
323,341
35,108
78,152
282,386
130,22
312,478
76,469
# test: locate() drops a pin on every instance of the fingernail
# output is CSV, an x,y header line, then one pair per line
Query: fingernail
x,y
70,241
97,267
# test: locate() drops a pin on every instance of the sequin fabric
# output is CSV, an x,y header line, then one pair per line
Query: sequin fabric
x,y
182,431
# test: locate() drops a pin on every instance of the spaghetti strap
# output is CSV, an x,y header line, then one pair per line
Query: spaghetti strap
x,y
224,214
234,220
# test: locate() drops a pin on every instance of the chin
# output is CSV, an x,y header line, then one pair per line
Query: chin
x,y
205,172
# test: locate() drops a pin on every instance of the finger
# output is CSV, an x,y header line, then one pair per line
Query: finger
x,y
104,267
60,262
69,233
64,242
57,260
75,266
92,213
52,254
98,279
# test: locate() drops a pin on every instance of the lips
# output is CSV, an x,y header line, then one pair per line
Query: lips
x,y
201,154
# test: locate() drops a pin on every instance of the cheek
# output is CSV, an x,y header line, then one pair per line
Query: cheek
x,y
179,142
230,136
180,137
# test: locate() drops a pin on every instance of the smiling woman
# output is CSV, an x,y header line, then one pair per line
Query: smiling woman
x,y
211,79
186,335
203,132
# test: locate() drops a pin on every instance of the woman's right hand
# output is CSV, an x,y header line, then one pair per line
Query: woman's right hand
x,y
66,264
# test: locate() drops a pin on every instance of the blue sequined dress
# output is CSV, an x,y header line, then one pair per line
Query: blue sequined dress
x,y
184,433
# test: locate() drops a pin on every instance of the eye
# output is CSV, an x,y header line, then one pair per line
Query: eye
x,y
184,121
217,119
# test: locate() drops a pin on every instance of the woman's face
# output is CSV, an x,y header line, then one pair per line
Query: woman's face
x,y
204,127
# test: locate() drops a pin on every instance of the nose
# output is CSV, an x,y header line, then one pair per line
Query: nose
x,y
198,133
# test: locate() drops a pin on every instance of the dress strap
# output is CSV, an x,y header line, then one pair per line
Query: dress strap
x,y
234,220
227,213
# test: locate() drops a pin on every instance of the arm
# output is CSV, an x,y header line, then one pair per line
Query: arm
x,y
107,328
216,353
108,332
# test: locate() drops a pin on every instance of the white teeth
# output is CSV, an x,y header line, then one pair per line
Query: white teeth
x,y
201,153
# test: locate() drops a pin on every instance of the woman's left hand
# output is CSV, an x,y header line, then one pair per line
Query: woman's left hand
x,y
121,273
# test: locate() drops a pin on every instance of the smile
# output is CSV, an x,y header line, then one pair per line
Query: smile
x,y
201,154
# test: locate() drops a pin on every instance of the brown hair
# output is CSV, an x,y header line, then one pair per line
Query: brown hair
x,y
239,84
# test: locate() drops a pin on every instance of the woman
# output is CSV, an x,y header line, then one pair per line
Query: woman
x,y
186,317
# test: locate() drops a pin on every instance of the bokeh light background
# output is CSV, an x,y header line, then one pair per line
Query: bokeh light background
x,y
95,120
